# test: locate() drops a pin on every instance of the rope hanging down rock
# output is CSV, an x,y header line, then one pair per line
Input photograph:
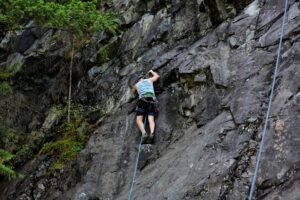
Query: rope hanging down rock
x,y
136,163
269,105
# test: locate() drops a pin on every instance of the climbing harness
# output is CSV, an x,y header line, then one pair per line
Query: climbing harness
x,y
269,105
148,100
147,104
137,162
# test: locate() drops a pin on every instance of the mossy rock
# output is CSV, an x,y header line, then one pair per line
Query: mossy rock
x,y
95,115
5,167
5,88
6,76
21,144
15,67
63,151
26,151
110,50
10,139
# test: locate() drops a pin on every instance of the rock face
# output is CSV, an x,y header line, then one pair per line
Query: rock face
x,y
216,60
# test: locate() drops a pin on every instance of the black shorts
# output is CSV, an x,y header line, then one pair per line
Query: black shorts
x,y
147,106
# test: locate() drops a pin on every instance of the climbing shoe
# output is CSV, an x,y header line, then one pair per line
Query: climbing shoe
x,y
144,137
152,138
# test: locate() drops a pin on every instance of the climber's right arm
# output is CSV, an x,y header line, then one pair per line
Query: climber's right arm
x,y
154,77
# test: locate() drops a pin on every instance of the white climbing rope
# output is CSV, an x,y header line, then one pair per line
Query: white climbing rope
x,y
269,105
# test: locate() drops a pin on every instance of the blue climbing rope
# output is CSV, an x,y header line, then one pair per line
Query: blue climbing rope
x,y
269,105
136,162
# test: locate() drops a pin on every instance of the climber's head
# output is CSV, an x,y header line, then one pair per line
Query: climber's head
x,y
141,78
144,76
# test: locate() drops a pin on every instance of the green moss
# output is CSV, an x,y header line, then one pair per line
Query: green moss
x,y
63,150
20,144
72,151
58,110
25,151
6,76
6,168
57,166
109,51
104,54
14,68
61,147
5,88
8,172
10,139
5,156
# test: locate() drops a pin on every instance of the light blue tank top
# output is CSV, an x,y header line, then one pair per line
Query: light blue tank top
x,y
145,88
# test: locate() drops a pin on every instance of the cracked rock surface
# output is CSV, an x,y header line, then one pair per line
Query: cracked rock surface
x,y
216,60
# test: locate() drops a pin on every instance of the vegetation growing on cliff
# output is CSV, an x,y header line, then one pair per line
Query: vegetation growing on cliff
x,y
77,17
72,140
6,168
71,15
21,145
6,74
74,16
5,88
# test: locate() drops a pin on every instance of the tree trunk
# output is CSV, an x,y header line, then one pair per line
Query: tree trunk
x,y
70,78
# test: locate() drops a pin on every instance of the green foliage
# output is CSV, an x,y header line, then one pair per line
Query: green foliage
x,y
14,68
25,151
5,156
16,142
6,76
72,141
76,114
5,167
108,51
5,88
104,54
63,150
72,15
9,139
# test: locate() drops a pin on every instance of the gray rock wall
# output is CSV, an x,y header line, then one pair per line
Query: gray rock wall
x,y
216,61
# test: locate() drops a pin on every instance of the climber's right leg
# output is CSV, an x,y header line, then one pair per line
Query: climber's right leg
x,y
140,123
151,124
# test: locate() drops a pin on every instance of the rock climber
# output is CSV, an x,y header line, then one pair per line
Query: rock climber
x,y
147,104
